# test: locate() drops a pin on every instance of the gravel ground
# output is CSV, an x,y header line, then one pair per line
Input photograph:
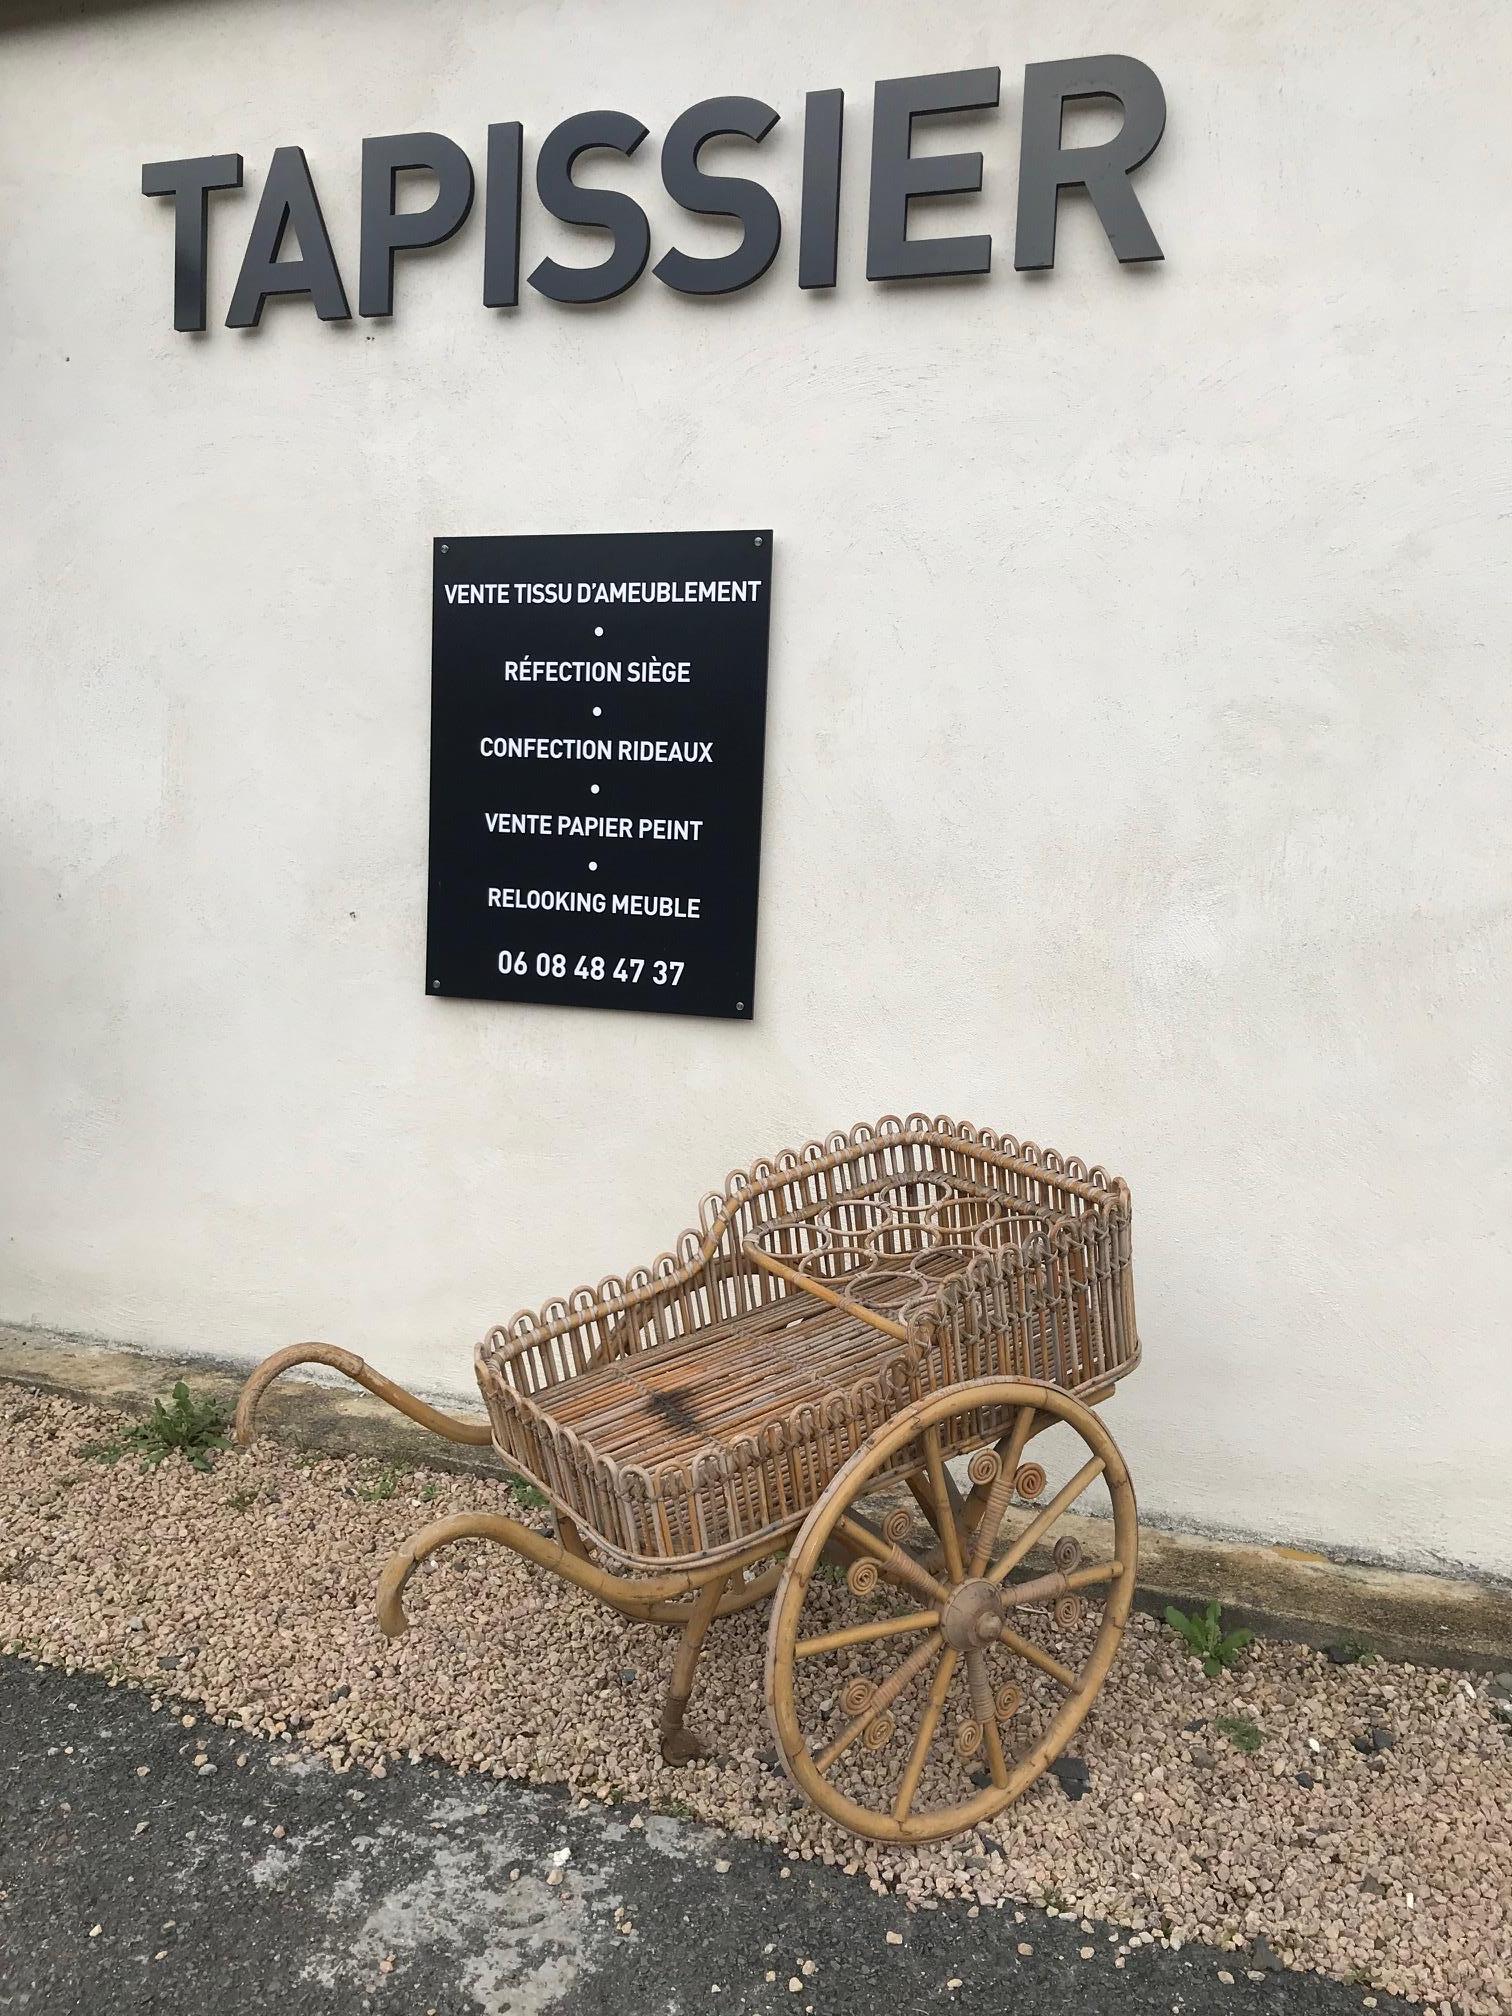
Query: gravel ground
x,y
1368,1835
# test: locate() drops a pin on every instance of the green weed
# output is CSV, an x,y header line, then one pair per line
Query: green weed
x,y
1206,1638
381,1487
101,1452
525,1493
1241,1732
193,1429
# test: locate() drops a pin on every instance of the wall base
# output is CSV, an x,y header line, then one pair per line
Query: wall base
x,y
1282,1591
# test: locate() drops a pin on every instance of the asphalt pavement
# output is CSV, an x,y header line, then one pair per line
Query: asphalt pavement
x,y
133,1877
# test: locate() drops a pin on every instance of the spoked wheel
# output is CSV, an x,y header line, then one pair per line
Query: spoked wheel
x,y
923,1691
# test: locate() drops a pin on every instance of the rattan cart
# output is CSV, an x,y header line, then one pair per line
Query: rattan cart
x,y
825,1396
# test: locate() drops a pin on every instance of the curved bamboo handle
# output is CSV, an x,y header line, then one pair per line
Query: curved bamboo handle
x,y
495,1526
636,1596
354,1368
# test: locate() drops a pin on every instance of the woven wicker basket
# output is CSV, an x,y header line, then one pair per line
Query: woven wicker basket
x,y
705,1402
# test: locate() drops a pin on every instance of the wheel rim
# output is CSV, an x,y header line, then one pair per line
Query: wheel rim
x,y
969,1623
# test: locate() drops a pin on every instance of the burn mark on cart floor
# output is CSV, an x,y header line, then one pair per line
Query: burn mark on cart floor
x,y
676,1411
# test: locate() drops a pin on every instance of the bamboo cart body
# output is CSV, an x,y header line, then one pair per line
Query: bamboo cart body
x,y
848,1316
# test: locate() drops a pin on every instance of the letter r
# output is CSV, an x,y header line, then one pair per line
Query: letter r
x,y
1046,167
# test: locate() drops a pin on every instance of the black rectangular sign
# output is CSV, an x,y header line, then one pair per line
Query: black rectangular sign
x,y
598,721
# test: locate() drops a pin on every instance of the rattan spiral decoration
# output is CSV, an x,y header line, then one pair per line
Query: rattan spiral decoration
x,y
861,1578
897,1526
855,1696
983,1468
878,1732
1067,1554
1009,1700
968,1739
1029,1480
1069,1611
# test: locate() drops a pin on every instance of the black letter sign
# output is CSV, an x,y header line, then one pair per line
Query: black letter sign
x,y
605,209
501,216
288,197
819,218
189,184
1046,167
384,233
598,715
896,175
719,196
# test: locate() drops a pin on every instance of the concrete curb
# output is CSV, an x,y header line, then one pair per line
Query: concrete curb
x,y
1283,1591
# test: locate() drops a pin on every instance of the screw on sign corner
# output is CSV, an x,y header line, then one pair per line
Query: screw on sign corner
x,y
435,986
758,541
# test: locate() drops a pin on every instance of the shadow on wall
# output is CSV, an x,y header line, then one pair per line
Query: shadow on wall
x,y
49,13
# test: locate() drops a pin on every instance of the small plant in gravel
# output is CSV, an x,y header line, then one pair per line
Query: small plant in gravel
x,y
525,1493
193,1429
378,1488
109,1449
1206,1638
1350,1654
429,1493
243,1501
1244,1734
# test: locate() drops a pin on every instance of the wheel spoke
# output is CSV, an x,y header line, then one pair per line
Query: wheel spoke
x,y
928,1722
1037,1528
1010,1641
939,1484
957,1505
892,1561
984,1708
998,1497
924,1498
883,1699
865,1634
1044,1587
1093,1574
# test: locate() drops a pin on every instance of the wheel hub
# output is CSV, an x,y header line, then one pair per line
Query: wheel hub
x,y
973,1617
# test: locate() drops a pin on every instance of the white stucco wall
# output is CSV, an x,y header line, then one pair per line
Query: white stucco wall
x,y
1138,733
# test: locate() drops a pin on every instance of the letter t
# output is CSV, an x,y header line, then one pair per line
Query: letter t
x,y
189,184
